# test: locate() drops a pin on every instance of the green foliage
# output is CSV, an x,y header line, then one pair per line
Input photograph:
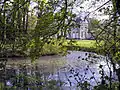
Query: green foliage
x,y
24,31
101,87
84,85
107,87
52,85
1,86
108,33
116,58
53,47
93,26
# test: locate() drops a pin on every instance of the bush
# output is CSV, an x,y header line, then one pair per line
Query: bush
x,y
53,47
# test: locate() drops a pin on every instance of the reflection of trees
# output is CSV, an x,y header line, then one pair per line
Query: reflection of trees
x,y
24,77
2,70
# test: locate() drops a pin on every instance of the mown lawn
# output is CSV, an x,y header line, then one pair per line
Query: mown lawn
x,y
85,45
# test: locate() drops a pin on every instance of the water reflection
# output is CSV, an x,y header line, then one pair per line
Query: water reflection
x,y
50,72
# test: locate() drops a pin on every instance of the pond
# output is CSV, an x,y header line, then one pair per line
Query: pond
x,y
48,72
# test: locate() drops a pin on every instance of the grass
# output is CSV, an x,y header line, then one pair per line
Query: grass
x,y
57,47
78,45
83,45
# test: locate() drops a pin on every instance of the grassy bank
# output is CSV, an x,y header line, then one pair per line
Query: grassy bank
x,y
56,47
53,48
81,45
78,45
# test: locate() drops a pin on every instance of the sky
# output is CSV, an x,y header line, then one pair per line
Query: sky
x,y
83,7
90,6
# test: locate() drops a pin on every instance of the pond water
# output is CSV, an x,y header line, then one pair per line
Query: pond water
x,y
72,69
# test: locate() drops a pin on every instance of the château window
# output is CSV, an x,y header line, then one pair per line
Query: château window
x,y
82,28
81,34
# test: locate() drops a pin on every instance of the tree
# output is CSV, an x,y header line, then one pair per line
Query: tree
x,y
93,25
50,21
17,33
109,36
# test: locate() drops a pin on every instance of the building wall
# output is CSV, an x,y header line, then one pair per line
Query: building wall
x,y
79,33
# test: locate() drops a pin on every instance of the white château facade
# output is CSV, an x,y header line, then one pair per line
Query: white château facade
x,y
80,32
